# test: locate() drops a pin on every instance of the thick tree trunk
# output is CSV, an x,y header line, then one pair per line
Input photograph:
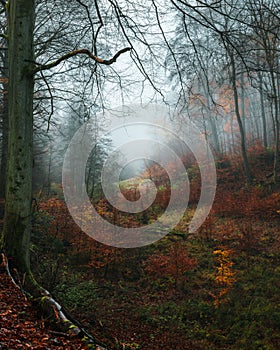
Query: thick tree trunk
x,y
4,149
17,223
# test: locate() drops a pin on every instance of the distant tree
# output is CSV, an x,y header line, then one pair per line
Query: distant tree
x,y
240,121
265,37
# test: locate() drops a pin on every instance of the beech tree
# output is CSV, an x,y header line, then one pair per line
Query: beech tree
x,y
21,70
4,98
17,221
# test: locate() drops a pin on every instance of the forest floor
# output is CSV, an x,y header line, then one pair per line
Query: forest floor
x,y
216,289
22,328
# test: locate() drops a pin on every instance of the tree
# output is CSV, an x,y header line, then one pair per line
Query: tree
x,y
4,120
22,68
265,35
4,102
220,21
233,77
16,233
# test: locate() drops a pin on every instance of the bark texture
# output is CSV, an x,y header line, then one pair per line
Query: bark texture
x,y
16,232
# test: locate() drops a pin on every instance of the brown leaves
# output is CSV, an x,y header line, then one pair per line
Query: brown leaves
x,y
20,327
173,264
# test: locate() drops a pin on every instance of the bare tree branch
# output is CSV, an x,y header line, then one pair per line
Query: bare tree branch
x,y
91,24
100,26
80,52
121,17
51,98
168,45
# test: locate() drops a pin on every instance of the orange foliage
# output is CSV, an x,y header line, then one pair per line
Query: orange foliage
x,y
224,275
251,203
63,227
174,264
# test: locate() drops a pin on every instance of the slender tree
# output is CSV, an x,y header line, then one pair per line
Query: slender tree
x,y
239,118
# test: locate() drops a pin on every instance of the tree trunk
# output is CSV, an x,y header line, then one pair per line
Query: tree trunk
x,y
243,112
212,121
17,224
4,149
265,142
240,124
277,126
